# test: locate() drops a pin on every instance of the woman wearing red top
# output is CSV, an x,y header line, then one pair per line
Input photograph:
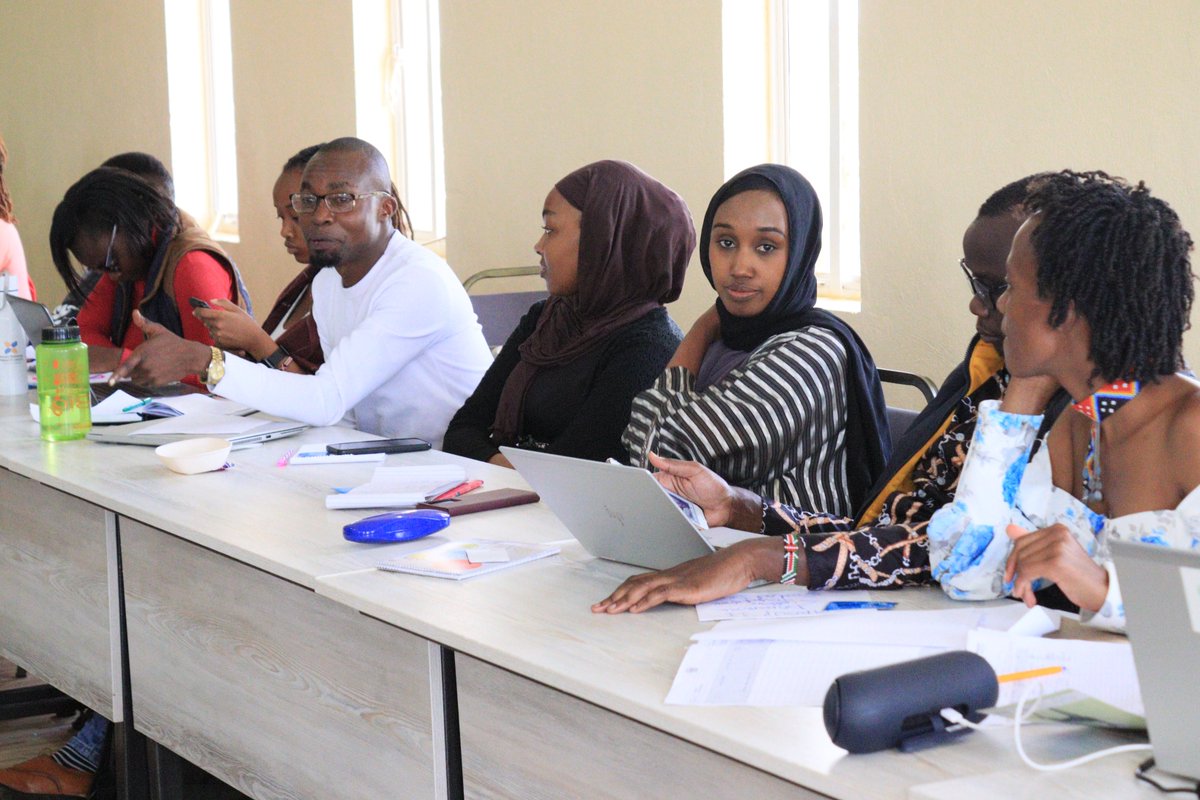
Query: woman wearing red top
x,y
152,259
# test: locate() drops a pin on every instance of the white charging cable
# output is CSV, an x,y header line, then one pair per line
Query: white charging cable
x,y
954,717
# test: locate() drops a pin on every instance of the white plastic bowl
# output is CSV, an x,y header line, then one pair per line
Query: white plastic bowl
x,y
192,456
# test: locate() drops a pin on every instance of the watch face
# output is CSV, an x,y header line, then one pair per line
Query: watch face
x,y
275,359
216,368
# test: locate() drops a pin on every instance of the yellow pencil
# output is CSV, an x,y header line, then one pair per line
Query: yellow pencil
x,y
1029,673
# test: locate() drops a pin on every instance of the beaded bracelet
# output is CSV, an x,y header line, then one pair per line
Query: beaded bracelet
x,y
791,546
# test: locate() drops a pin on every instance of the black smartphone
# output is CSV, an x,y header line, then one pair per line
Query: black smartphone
x,y
377,446
198,303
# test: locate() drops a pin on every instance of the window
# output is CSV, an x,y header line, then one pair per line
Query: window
x,y
399,101
791,96
203,143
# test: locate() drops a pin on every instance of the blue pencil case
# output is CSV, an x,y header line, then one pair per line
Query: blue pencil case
x,y
397,526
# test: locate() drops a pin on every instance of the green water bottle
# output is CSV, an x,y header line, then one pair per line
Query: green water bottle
x,y
64,396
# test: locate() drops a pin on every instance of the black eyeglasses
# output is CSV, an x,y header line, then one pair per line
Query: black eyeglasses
x,y
988,294
337,202
108,265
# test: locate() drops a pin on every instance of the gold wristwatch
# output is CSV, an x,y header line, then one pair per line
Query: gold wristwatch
x,y
215,370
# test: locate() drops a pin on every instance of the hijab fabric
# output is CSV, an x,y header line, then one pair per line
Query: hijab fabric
x,y
794,306
635,239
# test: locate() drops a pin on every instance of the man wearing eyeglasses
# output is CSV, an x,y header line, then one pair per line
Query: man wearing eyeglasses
x,y
403,349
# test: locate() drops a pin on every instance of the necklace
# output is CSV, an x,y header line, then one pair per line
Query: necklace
x,y
1101,405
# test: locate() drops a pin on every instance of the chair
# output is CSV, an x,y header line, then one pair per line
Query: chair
x,y
499,313
899,419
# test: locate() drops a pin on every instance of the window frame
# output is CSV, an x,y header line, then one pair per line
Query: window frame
x,y
200,64
760,122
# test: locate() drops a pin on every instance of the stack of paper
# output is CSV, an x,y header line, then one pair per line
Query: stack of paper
x,y
1098,682
792,662
192,404
202,424
399,487
112,409
108,411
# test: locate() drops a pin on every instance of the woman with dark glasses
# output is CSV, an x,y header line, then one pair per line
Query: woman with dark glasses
x,y
152,259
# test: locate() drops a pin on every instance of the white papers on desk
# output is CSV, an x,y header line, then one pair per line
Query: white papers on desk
x,y
202,424
1101,671
946,629
109,409
766,673
398,487
791,662
773,605
106,412
313,454
195,404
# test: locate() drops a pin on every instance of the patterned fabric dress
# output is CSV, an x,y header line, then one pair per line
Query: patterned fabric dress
x,y
893,551
1002,485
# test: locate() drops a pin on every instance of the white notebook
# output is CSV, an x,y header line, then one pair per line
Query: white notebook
x,y
468,558
399,487
312,454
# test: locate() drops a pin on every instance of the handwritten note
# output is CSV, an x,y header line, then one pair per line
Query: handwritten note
x,y
773,605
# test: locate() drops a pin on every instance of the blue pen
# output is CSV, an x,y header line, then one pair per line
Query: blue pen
x,y
139,404
847,605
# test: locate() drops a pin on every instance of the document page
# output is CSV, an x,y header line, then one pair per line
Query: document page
x,y
766,673
774,605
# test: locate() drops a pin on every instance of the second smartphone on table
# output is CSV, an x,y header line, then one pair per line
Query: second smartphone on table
x,y
410,445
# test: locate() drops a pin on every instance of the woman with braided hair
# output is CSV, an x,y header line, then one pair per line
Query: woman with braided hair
x,y
1099,293
153,260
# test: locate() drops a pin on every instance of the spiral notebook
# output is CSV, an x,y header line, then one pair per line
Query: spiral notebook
x,y
468,558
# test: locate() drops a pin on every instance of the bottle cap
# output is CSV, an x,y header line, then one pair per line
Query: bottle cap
x,y
61,333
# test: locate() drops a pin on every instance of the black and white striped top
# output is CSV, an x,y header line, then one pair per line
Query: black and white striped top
x,y
776,426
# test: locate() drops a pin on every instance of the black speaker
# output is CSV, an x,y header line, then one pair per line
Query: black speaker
x,y
898,705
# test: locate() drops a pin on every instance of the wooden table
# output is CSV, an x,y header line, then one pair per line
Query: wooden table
x,y
555,701
266,649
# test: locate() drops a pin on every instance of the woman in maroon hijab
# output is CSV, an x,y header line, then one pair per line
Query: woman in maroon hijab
x,y
614,248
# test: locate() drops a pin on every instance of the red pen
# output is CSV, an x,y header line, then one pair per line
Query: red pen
x,y
457,491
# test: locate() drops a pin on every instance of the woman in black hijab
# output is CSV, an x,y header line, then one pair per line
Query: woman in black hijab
x,y
614,247
769,392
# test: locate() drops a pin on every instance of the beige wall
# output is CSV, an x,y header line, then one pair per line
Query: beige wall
x,y
294,86
533,89
71,95
85,80
958,97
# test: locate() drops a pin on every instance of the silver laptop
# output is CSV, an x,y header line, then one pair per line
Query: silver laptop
x,y
617,512
32,316
272,428
1161,590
